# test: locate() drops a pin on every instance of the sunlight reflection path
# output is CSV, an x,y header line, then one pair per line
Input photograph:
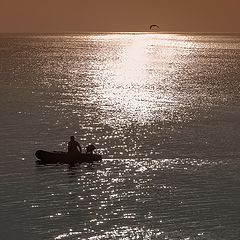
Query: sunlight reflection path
x,y
130,90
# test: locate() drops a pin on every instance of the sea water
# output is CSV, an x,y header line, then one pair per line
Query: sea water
x,y
162,109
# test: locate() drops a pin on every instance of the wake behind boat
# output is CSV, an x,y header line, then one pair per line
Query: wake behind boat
x,y
55,157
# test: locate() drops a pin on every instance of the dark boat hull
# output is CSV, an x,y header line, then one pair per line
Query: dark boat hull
x,y
65,158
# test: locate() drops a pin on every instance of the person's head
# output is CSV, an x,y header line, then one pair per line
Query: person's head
x,y
72,138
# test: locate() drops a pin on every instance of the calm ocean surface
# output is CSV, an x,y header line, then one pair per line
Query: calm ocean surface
x,y
163,109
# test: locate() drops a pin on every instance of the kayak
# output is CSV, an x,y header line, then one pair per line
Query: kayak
x,y
55,157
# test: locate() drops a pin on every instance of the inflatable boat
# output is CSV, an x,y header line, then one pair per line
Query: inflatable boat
x,y
45,157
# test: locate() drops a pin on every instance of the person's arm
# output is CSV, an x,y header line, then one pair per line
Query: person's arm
x,y
80,149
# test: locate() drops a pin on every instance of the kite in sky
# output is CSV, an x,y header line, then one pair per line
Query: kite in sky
x,y
153,26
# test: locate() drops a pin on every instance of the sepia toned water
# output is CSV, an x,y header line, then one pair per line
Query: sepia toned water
x,y
162,109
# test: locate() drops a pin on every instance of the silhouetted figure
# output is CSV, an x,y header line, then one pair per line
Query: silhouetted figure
x,y
74,146
90,148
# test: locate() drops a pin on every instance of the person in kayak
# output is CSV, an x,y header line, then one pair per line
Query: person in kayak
x,y
74,146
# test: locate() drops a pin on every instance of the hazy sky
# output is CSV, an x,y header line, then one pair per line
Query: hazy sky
x,y
119,15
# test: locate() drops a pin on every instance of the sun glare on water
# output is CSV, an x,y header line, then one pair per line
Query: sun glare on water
x,y
129,78
132,90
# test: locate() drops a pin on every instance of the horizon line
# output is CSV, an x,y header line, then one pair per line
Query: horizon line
x,y
125,32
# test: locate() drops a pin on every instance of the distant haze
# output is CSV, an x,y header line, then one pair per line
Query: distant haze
x,y
119,15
